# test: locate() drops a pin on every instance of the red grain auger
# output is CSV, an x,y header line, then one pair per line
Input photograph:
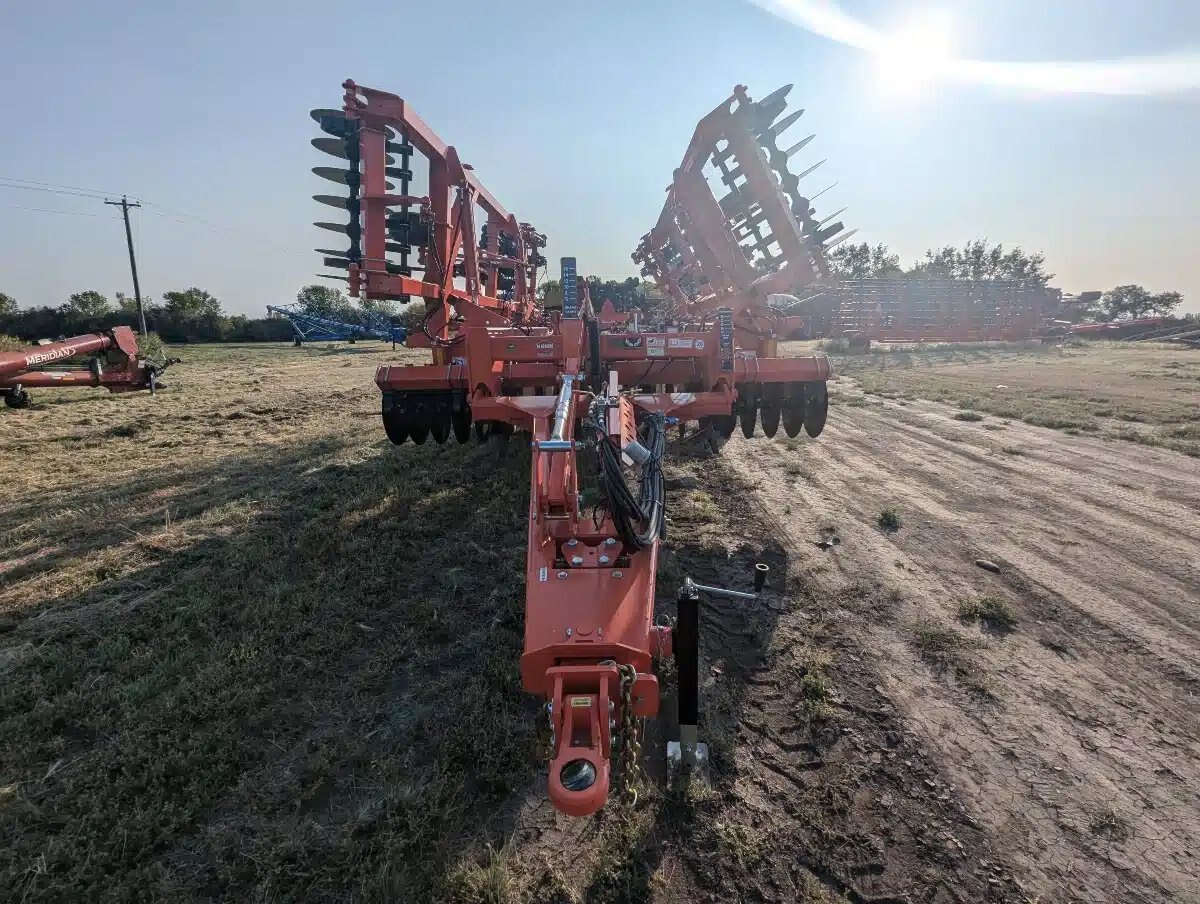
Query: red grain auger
x,y
582,386
113,361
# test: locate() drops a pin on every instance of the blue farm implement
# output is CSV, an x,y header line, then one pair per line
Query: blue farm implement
x,y
310,328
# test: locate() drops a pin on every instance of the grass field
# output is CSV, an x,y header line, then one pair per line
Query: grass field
x,y
251,651
1140,393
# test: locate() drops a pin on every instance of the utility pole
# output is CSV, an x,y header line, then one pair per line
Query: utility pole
x,y
137,292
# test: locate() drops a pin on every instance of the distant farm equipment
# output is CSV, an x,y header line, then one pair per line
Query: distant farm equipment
x,y
903,310
606,386
112,360
311,328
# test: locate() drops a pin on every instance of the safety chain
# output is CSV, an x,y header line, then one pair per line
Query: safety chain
x,y
631,747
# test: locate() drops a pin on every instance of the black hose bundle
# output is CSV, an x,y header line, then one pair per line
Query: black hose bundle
x,y
639,520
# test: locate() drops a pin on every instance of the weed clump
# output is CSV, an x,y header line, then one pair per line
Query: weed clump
x,y
889,520
968,416
990,611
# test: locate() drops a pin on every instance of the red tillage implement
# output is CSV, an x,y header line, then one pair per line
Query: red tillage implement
x,y
579,384
113,362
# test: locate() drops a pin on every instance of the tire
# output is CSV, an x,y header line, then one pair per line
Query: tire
x,y
17,398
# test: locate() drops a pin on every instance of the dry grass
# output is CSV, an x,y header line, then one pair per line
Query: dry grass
x,y
230,616
1140,393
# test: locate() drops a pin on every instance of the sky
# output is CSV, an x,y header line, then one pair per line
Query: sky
x,y
574,115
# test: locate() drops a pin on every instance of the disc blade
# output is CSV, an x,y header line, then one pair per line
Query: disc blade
x,y
332,200
320,114
337,148
841,238
334,227
809,171
333,146
799,145
333,174
783,124
831,216
776,95
332,253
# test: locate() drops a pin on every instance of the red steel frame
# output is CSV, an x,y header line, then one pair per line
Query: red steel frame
x,y
117,365
501,362
760,239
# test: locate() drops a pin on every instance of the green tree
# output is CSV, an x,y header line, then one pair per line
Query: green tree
x,y
1130,301
863,261
381,306
87,304
978,260
324,301
1165,303
191,304
8,306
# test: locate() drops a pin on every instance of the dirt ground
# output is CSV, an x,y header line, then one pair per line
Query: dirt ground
x,y
250,651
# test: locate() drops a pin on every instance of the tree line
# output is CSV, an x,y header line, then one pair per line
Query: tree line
x,y
195,314
188,315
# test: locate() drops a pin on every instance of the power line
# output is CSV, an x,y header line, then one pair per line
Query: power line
x,y
73,213
56,191
57,185
167,213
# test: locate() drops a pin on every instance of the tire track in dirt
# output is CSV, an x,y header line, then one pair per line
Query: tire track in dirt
x,y
1081,758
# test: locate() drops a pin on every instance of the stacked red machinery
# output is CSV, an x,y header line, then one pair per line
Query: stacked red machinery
x,y
113,361
907,310
577,384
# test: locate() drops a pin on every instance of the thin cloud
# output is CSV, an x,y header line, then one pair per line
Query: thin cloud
x,y
1167,73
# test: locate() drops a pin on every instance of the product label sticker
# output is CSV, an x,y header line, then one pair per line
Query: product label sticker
x,y
680,343
656,351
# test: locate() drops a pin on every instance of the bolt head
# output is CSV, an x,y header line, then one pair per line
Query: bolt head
x,y
572,542
562,575
604,560
617,574
610,542
576,560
